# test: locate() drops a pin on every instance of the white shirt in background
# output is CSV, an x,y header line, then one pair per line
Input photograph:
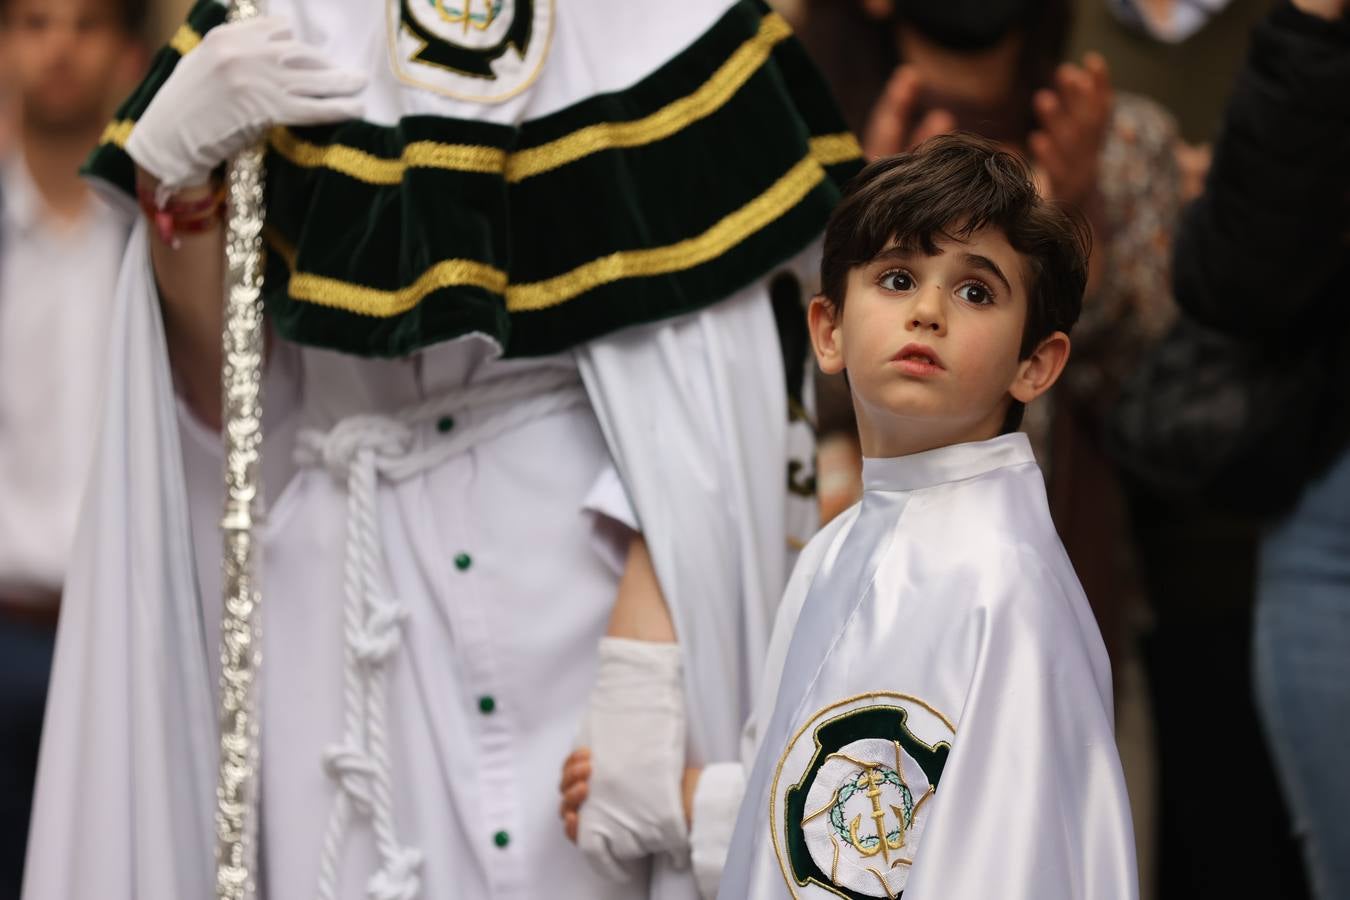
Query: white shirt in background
x,y
56,287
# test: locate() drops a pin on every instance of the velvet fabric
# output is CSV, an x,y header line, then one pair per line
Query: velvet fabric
x,y
376,265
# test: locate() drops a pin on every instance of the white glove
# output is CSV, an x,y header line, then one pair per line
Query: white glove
x,y
242,79
635,729
717,802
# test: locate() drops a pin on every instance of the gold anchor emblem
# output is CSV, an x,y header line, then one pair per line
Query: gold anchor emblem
x,y
454,17
884,845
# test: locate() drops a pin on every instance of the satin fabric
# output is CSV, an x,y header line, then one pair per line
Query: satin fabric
x,y
949,587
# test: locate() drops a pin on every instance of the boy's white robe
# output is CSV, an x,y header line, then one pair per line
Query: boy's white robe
x,y
696,423
945,593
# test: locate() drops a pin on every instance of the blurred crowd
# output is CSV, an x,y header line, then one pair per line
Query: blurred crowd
x,y
1196,450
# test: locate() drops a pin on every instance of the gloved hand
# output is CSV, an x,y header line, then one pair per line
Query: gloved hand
x,y
242,79
635,727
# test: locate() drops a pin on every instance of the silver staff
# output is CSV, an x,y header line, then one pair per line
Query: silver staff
x,y
241,380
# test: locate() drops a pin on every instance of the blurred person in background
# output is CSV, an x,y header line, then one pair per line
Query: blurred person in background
x,y
1264,256
60,248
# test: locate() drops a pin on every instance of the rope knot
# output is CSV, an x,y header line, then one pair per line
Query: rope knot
x,y
352,438
398,879
382,632
353,770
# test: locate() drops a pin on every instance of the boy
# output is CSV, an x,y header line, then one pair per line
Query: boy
x,y
936,716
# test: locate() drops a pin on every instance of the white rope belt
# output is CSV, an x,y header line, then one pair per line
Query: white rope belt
x,y
361,450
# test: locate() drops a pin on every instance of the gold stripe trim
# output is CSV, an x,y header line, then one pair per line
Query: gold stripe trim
x,y
784,194
185,39
711,96
831,149
367,301
372,169
117,133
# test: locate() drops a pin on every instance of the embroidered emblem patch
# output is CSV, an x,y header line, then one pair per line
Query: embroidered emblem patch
x,y
853,793
484,50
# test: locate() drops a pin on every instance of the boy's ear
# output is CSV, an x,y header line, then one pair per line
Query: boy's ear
x,y
1039,371
821,321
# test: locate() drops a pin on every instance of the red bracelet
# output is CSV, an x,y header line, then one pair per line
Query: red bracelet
x,y
178,217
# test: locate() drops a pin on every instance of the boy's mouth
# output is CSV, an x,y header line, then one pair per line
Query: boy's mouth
x,y
916,359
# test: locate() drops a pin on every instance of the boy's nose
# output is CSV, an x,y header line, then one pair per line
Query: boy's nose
x,y
927,312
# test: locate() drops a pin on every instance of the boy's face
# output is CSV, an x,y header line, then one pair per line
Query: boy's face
x,y
931,344
65,57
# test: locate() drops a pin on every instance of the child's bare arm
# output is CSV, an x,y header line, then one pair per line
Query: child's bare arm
x,y
640,611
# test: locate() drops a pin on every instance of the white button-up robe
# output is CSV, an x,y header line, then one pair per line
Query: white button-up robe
x,y
493,555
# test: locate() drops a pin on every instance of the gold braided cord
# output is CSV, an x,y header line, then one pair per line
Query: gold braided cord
x,y
373,169
831,149
785,193
711,96
782,196
117,133
185,39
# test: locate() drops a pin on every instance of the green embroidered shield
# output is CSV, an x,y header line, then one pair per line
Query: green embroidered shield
x,y
855,787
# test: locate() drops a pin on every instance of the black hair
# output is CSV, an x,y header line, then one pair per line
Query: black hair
x,y
951,186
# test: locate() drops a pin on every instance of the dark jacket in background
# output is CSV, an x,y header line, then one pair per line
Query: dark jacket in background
x,y
1264,254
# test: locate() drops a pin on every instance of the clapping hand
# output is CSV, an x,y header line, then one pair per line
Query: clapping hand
x,y
1072,118
888,128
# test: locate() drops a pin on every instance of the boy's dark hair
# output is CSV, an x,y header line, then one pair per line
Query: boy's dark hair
x,y
952,186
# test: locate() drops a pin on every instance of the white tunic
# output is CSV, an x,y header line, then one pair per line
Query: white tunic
x,y
56,282
492,556
944,691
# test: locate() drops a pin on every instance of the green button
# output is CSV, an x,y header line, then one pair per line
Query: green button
x,y
444,424
486,705
501,839
463,561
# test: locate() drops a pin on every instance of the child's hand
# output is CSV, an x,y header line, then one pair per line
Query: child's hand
x,y
888,130
688,788
576,781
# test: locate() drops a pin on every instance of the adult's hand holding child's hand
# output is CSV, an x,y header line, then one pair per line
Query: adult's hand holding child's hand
x,y
630,781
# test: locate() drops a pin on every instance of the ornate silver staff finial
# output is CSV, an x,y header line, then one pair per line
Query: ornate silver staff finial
x,y
241,381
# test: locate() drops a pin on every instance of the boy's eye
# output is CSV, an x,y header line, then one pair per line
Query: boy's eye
x,y
975,293
896,281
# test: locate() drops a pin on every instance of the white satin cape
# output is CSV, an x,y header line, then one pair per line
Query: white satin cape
x,y
946,594
123,810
